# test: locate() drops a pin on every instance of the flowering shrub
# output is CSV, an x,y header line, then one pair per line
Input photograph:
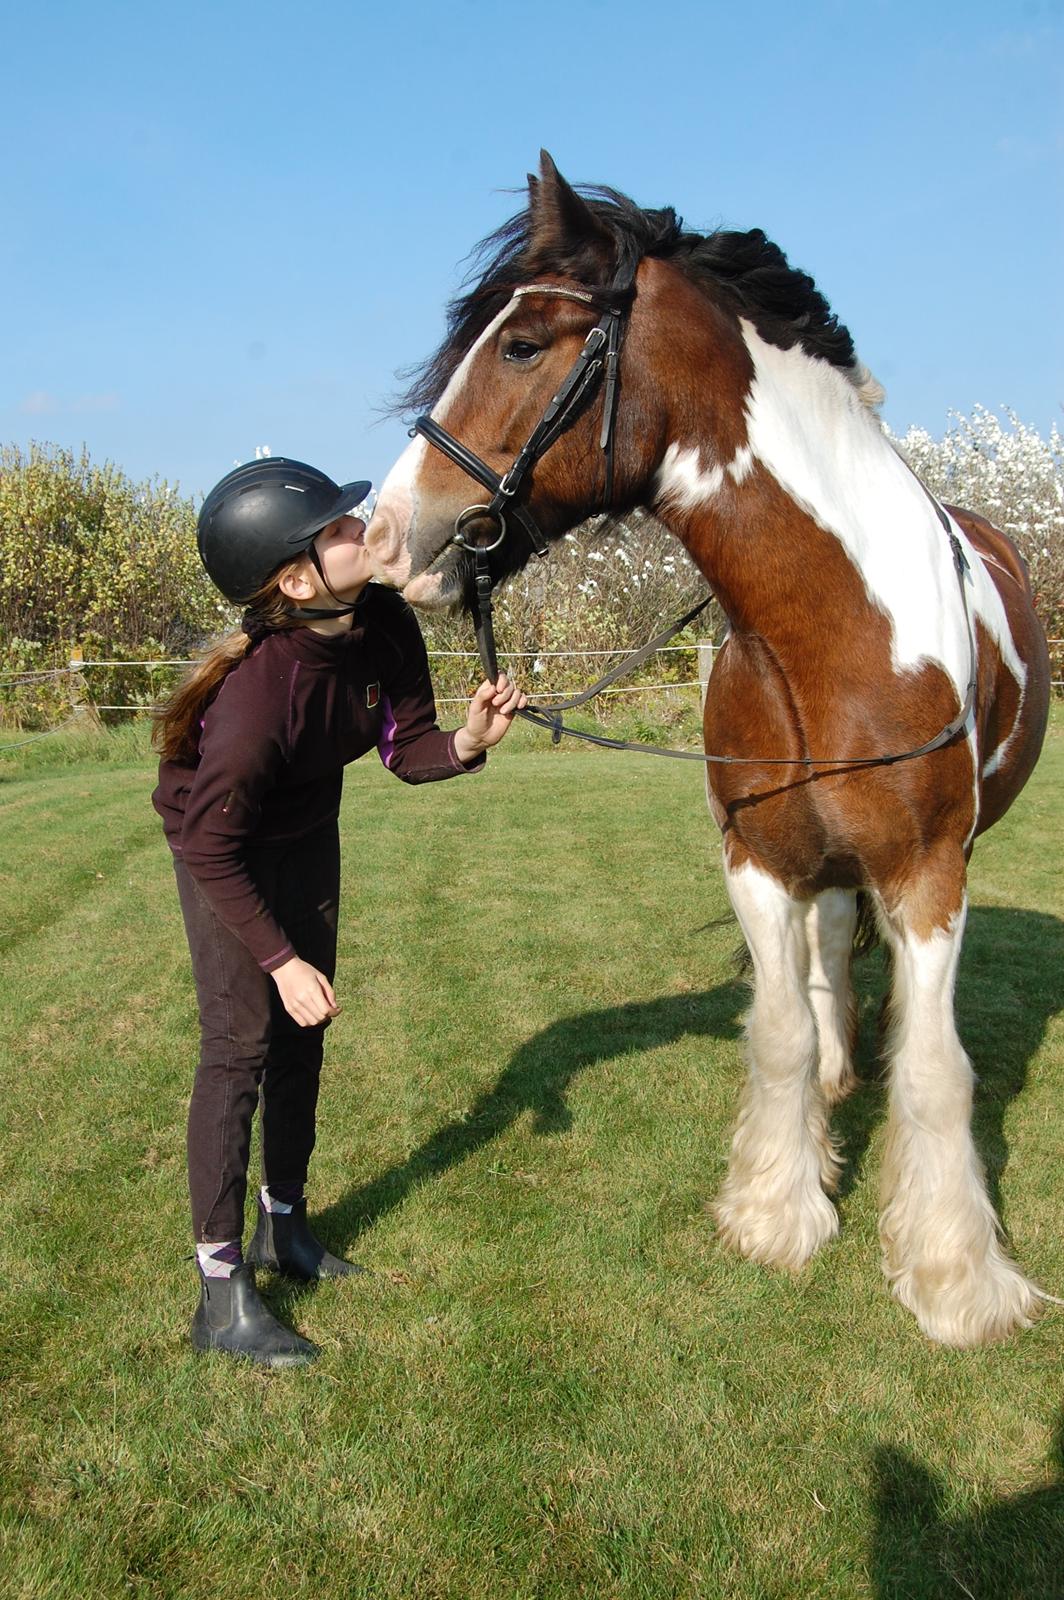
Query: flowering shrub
x,y
88,557
607,587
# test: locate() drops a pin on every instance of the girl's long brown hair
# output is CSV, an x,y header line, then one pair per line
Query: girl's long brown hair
x,y
176,733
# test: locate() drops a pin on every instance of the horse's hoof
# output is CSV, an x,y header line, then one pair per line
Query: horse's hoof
x,y
785,1235
966,1308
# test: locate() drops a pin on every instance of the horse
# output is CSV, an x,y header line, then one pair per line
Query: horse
x,y
864,620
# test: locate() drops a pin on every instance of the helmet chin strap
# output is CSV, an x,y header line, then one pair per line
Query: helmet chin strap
x,y
316,612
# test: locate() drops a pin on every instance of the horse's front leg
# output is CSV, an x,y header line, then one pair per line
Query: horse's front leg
x,y
942,1248
772,1207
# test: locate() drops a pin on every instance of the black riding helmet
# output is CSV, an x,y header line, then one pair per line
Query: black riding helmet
x,y
261,515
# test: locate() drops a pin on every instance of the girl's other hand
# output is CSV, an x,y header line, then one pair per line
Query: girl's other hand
x,y
306,993
491,713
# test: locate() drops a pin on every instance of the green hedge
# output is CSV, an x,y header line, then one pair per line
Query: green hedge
x,y
89,558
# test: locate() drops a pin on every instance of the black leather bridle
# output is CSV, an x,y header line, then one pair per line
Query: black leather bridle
x,y
599,362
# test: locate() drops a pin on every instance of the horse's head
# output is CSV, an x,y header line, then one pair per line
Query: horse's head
x,y
692,312
513,340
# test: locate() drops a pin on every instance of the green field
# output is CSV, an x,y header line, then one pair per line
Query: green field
x,y
555,1384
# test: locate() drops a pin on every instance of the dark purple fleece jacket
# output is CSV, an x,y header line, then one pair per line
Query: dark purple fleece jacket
x,y
275,741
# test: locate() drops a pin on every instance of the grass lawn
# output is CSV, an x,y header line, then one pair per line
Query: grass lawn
x,y
555,1384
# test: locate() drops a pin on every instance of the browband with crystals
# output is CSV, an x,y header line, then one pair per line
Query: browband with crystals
x,y
555,288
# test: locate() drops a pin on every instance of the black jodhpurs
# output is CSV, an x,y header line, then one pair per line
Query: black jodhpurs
x,y
249,1045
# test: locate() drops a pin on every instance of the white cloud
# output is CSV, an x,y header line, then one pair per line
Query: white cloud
x,y
96,402
41,403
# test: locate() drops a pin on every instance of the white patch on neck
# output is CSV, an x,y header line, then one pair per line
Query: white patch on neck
x,y
682,483
742,465
808,426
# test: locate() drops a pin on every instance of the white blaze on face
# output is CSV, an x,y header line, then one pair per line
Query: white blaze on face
x,y
393,517
402,510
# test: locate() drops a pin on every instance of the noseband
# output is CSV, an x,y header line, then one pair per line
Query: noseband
x,y
598,361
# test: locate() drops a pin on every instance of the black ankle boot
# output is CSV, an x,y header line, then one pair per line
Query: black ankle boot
x,y
232,1317
284,1242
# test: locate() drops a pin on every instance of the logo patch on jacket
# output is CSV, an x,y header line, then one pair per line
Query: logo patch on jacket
x,y
373,695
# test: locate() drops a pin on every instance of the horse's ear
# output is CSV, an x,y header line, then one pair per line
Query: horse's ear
x,y
563,226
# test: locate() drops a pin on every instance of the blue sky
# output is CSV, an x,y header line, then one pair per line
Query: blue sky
x,y
227,225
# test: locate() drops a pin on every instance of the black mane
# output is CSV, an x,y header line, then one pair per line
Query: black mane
x,y
783,302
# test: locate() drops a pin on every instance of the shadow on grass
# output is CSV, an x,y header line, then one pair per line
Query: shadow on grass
x,y
1008,991
536,1079
1011,1549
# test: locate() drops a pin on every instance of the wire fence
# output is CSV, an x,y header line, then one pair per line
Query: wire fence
x,y
83,706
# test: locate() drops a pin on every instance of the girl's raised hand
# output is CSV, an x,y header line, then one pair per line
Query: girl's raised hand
x,y
491,713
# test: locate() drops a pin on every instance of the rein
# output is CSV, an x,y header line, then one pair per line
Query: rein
x,y
599,361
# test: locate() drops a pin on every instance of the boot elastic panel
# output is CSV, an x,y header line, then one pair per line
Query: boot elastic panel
x,y
232,1317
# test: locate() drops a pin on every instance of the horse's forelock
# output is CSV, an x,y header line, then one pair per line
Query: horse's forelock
x,y
507,258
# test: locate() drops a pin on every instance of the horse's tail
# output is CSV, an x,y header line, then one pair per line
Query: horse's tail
x,y
866,934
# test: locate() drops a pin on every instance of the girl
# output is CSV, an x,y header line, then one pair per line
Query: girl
x,y
326,666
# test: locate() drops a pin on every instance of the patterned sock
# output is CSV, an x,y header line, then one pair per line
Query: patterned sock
x,y
280,1197
220,1260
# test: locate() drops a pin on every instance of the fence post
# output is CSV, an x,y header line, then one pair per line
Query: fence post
x,y
705,667
80,700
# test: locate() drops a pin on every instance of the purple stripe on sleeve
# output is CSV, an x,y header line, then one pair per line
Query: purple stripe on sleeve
x,y
386,742
282,955
291,701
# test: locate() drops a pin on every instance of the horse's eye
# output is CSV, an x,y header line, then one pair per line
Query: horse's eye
x,y
521,350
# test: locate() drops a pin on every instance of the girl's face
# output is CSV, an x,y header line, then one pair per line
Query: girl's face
x,y
342,552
